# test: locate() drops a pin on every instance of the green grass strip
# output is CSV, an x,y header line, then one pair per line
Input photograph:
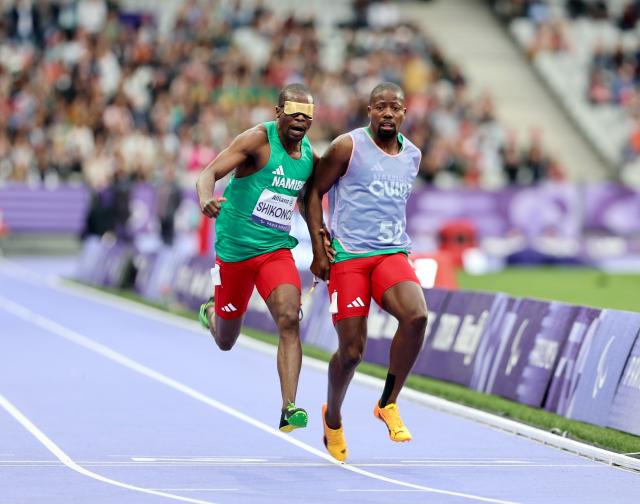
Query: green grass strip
x,y
573,285
606,438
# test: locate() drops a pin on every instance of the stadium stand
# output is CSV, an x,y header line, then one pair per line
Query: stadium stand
x,y
587,51
106,92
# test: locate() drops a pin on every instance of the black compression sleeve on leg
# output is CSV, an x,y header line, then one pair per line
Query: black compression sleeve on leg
x,y
388,388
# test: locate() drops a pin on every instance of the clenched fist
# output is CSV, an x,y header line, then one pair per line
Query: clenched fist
x,y
211,207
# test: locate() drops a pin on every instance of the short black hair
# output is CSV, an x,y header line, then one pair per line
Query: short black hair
x,y
385,86
293,89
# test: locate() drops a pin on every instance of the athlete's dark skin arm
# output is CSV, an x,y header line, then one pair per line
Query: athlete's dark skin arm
x,y
302,206
332,165
302,195
246,153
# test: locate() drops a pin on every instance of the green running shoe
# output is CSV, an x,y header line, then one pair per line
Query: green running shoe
x,y
202,315
293,418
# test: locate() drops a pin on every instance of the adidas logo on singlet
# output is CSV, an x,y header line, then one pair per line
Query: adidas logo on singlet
x,y
287,183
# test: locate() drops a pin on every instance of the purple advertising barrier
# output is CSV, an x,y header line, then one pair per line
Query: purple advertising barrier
x,y
104,262
156,271
450,350
550,209
543,357
429,209
142,210
613,209
565,376
91,261
600,363
625,411
530,346
492,342
117,265
44,210
192,282
382,327
145,263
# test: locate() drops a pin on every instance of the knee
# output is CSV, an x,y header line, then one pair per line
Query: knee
x,y
417,323
288,321
351,355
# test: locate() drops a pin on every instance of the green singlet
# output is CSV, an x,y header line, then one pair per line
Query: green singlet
x,y
256,218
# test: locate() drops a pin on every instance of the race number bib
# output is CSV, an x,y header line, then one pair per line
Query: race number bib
x,y
274,210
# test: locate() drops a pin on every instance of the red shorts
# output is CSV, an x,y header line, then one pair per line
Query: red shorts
x,y
353,282
265,272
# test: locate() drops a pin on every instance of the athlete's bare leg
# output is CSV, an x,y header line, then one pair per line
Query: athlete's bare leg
x,y
224,331
405,301
352,335
284,305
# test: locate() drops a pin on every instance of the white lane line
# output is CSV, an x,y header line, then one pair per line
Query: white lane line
x,y
77,338
491,420
376,491
215,460
159,465
197,489
131,456
67,461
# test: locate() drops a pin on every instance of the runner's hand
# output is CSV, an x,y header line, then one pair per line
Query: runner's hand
x,y
322,262
320,266
326,241
211,207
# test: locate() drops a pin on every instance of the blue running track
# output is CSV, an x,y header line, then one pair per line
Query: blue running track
x,y
104,401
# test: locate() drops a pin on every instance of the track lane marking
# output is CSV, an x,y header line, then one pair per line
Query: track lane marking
x,y
71,464
490,420
49,325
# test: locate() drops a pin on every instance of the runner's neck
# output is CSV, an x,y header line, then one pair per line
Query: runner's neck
x,y
387,145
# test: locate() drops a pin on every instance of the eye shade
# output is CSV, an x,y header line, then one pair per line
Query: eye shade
x,y
292,108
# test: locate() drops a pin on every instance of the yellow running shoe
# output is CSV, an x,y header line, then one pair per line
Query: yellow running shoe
x,y
391,417
334,439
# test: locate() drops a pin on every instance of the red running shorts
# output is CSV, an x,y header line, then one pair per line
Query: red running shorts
x,y
353,282
237,279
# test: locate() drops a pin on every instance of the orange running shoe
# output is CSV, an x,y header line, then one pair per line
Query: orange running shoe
x,y
391,417
334,439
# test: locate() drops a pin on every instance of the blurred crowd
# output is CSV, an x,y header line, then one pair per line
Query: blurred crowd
x,y
613,71
93,92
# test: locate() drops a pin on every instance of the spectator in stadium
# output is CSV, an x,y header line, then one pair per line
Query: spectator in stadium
x,y
536,163
168,198
599,88
511,160
630,16
272,162
376,167
96,68
550,36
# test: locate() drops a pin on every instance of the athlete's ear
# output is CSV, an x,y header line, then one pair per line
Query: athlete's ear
x,y
278,111
369,110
